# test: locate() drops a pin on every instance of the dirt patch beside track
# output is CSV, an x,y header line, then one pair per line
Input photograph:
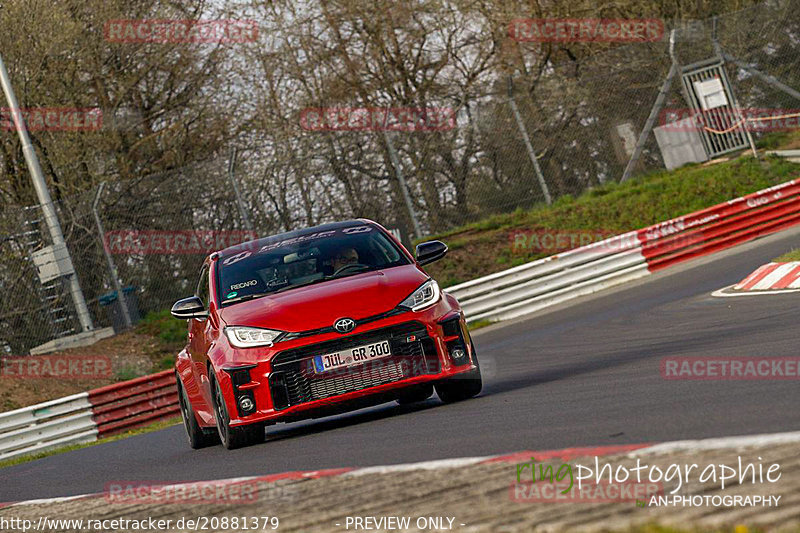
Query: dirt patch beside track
x,y
476,497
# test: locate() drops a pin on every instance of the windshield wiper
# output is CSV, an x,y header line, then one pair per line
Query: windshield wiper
x,y
355,269
325,278
290,287
245,297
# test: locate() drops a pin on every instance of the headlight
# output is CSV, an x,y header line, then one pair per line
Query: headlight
x,y
244,337
425,296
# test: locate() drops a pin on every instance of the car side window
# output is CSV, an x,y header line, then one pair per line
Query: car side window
x,y
382,249
203,290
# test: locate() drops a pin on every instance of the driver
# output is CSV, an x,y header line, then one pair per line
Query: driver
x,y
344,257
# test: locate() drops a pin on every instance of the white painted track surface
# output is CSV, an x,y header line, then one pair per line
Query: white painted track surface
x,y
478,493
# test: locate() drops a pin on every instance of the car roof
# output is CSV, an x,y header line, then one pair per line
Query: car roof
x,y
258,243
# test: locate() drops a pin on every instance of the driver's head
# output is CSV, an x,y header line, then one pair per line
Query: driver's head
x,y
344,257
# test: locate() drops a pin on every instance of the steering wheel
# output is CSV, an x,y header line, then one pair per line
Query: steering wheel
x,y
350,266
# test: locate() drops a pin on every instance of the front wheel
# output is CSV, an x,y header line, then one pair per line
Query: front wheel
x,y
233,437
199,437
463,386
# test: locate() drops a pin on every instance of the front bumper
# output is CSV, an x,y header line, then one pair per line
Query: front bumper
x,y
284,386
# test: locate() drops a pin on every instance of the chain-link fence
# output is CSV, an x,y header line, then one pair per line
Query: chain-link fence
x,y
520,142
139,222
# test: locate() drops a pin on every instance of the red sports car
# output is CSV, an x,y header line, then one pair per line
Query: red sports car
x,y
316,322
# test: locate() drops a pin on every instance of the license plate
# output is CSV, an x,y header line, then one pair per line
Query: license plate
x,y
351,356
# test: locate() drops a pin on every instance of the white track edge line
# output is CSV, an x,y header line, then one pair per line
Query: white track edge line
x,y
724,292
664,447
422,465
717,443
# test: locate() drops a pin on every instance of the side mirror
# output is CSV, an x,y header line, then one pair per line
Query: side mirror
x,y
191,307
428,252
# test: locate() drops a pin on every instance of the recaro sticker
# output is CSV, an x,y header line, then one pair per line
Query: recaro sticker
x,y
244,284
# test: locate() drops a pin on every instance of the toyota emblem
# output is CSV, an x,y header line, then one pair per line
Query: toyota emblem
x,y
344,325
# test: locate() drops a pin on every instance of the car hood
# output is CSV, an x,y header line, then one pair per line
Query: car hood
x,y
318,306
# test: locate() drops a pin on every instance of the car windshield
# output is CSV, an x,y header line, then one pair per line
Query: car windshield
x,y
312,257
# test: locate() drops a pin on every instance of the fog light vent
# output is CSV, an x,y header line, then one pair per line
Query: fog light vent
x,y
246,404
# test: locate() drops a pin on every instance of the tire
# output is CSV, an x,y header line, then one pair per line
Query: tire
x,y
417,393
232,437
199,437
463,386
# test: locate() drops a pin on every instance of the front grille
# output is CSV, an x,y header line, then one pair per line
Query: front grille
x,y
293,380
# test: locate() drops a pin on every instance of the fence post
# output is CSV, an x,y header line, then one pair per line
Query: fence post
x,y
112,268
48,209
654,111
528,145
235,185
399,172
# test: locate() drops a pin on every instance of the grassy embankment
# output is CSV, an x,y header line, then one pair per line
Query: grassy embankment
x,y
485,246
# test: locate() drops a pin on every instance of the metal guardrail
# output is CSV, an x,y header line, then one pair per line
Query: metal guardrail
x,y
533,286
87,416
528,288
504,295
123,406
47,425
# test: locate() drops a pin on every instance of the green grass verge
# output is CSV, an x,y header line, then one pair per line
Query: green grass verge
x,y
485,246
793,255
478,324
163,326
155,426
646,199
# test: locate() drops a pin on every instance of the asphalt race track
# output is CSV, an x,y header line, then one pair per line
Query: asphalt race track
x,y
586,374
